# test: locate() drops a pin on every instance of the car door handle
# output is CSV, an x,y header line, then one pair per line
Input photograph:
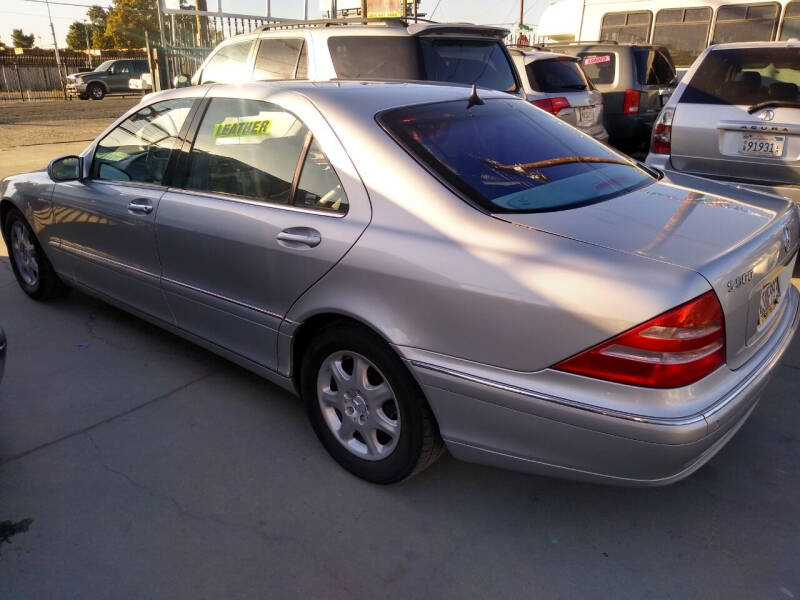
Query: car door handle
x,y
140,207
296,237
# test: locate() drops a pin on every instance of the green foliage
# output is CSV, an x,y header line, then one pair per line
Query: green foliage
x,y
76,36
21,40
128,20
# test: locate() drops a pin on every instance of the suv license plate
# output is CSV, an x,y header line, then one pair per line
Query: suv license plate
x,y
759,144
585,115
770,298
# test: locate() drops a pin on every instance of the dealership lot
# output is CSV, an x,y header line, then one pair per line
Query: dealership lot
x,y
151,468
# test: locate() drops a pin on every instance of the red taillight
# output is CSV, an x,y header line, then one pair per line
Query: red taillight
x,y
676,348
552,105
661,142
630,105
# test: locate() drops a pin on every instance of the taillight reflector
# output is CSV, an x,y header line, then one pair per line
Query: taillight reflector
x,y
630,104
552,105
674,349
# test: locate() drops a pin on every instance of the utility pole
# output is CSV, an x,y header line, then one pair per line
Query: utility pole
x,y
88,44
58,56
269,9
305,10
521,12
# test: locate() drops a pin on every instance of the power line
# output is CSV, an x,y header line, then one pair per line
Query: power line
x,y
433,12
67,3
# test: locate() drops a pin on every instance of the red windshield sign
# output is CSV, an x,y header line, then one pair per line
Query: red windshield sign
x,y
593,60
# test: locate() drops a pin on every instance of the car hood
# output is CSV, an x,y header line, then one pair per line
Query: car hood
x,y
737,239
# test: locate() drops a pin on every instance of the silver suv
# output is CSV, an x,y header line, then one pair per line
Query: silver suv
x,y
557,84
390,50
734,117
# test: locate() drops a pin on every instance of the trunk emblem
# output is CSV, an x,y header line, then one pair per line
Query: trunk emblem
x,y
767,115
787,240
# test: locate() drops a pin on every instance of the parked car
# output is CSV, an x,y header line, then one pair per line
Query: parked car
x,y
110,77
393,50
636,81
424,263
557,84
735,117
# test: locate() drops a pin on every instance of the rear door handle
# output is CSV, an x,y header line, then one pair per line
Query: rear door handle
x,y
296,237
140,207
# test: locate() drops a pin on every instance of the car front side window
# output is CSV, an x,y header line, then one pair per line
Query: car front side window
x,y
139,148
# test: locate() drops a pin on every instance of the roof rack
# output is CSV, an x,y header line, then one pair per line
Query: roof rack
x,y
391,22
581,43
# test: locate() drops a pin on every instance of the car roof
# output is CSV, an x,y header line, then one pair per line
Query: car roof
x,y
362,99
531,54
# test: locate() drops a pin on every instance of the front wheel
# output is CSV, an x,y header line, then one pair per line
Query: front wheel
x,y
365,407
96,91
33,270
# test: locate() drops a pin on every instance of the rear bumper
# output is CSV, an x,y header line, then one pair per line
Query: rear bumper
x,y
663,162
501,425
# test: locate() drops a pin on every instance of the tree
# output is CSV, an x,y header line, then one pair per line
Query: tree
x,y
21,40
98,17
128,20
77,36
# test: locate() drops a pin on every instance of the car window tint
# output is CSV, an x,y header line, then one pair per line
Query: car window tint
x,y
121,67
556,75
246,148
375,57
507,156
228,64
745,23
745,77
140,147
467,61
684,31
319,187
600,67
277,58
652,67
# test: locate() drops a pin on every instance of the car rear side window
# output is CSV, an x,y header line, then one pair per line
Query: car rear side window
x,y
556,75
653,67
139,148
228,64
417,58
746,77
684,31
319,186
506,156
600,67
745,23
278,58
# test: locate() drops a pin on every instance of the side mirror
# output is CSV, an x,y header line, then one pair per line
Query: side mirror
x,y
66,168
181,80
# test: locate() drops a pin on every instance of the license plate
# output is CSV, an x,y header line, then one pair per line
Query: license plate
x,y
770,298
759,144
585,115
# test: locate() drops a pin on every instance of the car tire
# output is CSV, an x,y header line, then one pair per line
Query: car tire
x,y
95,91
352,418
32,268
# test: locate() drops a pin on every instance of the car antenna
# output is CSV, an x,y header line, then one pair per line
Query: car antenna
x,y
474,99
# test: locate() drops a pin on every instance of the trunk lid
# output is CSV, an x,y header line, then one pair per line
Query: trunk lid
x,y
741,246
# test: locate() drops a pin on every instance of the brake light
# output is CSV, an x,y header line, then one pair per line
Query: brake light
x,y
552,105
661,142
674,349
630,105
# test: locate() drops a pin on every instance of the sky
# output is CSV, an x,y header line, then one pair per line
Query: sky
x,y
31,16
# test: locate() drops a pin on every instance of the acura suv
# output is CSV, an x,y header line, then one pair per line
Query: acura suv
x,y
458,53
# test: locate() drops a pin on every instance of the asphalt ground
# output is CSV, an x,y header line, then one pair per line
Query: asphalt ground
x,y
134,464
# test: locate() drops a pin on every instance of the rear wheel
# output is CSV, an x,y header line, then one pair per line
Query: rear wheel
x,y
95,91
365,407
33,270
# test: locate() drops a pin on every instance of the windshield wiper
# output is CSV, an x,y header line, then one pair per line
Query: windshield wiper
x,y
554,162
574,86
772,104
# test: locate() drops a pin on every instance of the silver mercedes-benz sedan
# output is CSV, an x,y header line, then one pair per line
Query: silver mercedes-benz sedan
x,y
429,266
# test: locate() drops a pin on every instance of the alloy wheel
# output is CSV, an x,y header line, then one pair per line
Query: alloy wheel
x,y
25,256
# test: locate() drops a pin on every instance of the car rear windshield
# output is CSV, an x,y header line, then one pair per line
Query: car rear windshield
x,y
746,76
556,75
508,157
600,67
417,58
